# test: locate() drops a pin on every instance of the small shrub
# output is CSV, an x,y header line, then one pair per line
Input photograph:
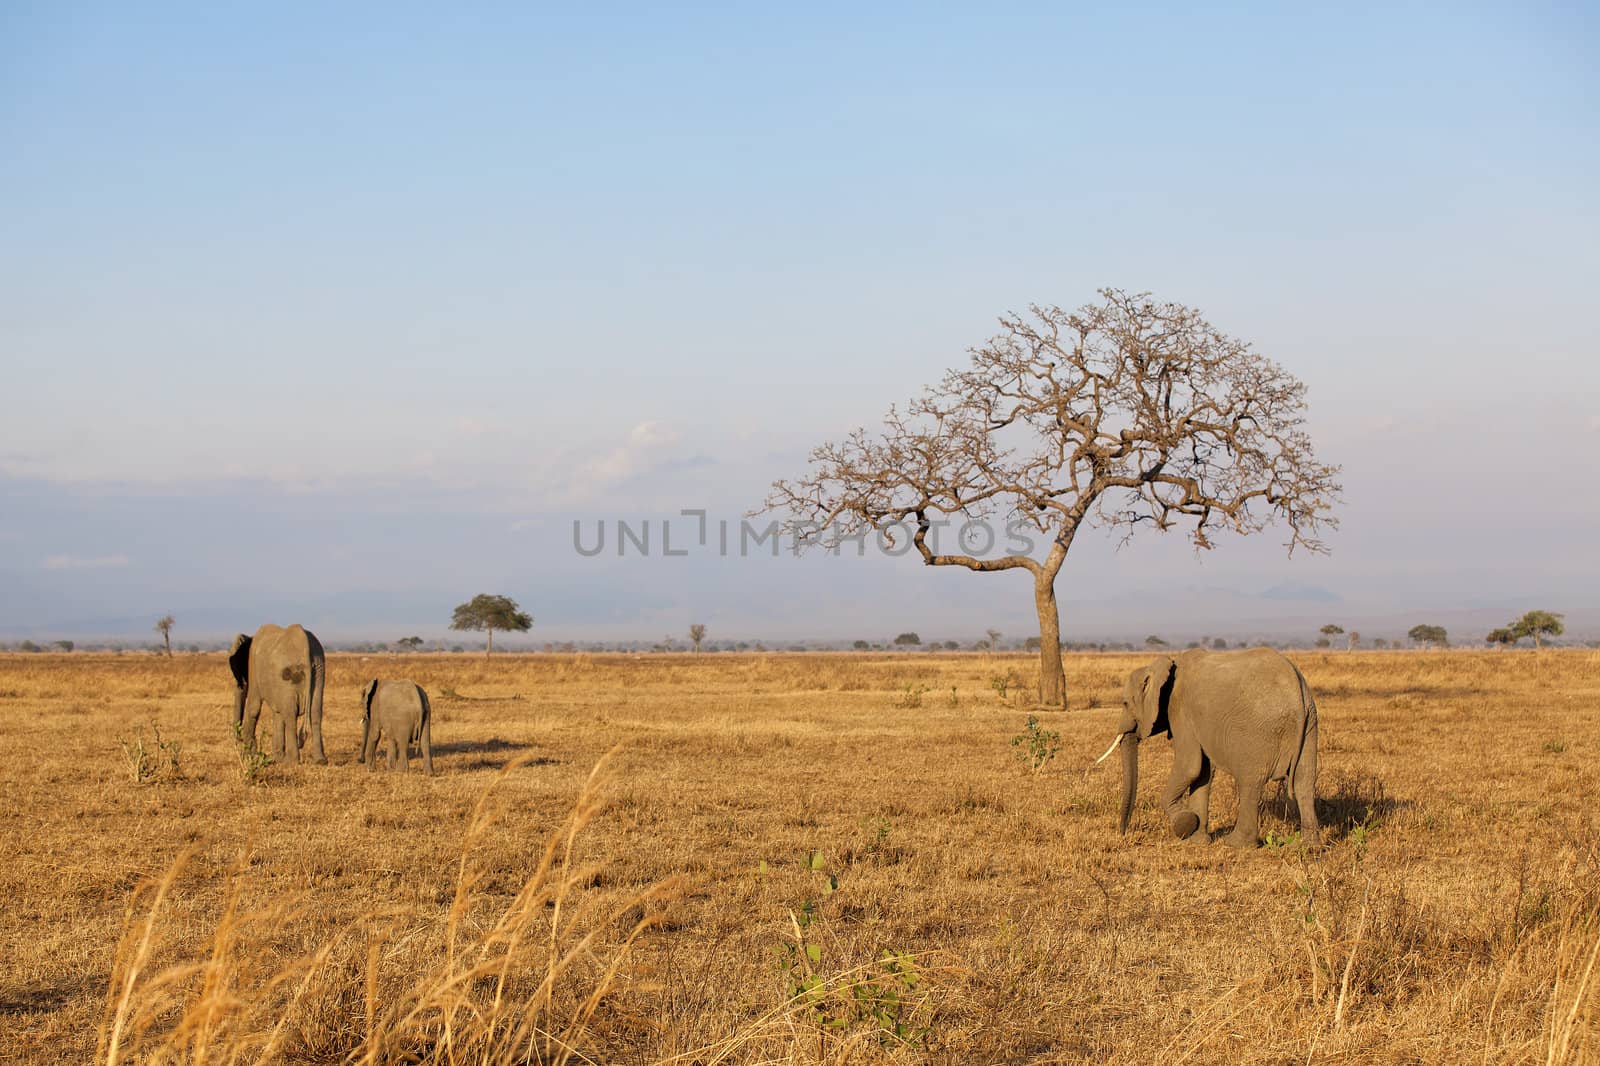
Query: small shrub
x,y
884,997
1035,747
151,760
1004,683
1555,746
253,762
911,696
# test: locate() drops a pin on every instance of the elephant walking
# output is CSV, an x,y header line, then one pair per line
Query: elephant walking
x,y
286,670
400,711
1249,712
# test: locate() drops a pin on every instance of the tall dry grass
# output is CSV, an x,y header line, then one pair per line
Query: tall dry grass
x,y
784,859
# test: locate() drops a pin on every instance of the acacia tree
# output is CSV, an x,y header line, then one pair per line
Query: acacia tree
x,y
485,612
1124,413
697,633
164,626
1429,636
1538,624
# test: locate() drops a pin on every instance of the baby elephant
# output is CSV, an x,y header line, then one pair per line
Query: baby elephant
x,y
399,710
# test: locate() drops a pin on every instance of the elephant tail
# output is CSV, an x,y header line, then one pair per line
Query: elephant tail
x,y
424,719
1308,730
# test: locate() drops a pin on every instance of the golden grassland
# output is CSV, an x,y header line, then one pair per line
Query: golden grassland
x,y
789,858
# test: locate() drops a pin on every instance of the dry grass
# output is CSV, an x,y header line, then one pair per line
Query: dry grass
x,y
787,860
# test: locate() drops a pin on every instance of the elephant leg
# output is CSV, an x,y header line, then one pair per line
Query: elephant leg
x,y
1247,830
405,752
393,753
427,749
252,714
238,712
287,741
314,717
1199,802
369,747
1187,760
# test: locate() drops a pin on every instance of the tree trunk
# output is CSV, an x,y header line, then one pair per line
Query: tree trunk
x,y
489,649
167,636
1052,678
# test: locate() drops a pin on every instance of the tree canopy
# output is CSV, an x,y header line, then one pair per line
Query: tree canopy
x,y
1429,636
1538,625
164,626
907,639
1127,413
486,612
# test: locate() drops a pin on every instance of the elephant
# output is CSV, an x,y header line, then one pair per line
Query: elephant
x,y
399,710
285,669
1249,712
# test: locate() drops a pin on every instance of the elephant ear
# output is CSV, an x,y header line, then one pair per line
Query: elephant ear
x,y
366,699
239,660
1157,690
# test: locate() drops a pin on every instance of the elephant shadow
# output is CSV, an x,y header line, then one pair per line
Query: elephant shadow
x,y
1356,799
492,754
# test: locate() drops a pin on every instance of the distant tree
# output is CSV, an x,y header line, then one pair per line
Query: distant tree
x,y
1324,642
164,626
1153,641
952,645
993,636
1355,639
697,635
1031,644
907,639
860,645
1379,642
1219,644
409,643
1331,630
1503,636
67,645
1128,413
1429,636
486,612
1539,624
28,645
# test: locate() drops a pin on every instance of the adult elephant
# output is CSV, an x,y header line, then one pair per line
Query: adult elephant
x,y
1249,712
285,668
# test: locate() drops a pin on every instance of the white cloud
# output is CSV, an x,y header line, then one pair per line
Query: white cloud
x,y
643,446
83,562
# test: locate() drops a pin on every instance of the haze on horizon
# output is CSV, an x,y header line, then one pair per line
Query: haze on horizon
x,y
344,316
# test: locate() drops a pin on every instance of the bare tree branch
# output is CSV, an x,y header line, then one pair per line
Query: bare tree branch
x,y
1124,413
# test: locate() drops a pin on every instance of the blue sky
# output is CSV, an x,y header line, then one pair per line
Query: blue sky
x,y
347,315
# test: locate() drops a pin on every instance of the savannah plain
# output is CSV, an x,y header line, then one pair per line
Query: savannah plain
x,y
791,859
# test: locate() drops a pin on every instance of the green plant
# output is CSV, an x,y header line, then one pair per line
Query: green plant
x,y
1278,840
150,761
1555,746
1004,683
253,762
1036,746
884,995
911,696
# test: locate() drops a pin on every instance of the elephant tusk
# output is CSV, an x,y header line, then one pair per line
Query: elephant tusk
x,y
1111,749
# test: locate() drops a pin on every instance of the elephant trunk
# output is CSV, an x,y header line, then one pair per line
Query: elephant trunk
x,y
1130,776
